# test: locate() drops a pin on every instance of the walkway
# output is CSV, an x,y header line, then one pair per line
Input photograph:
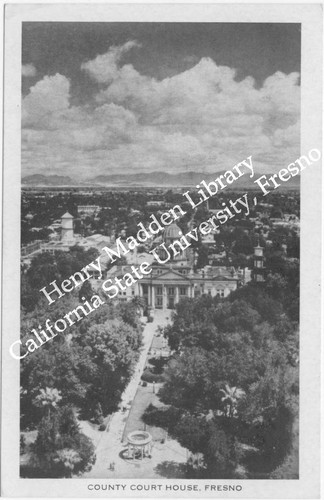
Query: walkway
x,y
109,444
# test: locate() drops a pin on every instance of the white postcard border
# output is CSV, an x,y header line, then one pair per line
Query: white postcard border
x,y
310,16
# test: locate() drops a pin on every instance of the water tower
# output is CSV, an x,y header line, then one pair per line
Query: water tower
x,y
67,227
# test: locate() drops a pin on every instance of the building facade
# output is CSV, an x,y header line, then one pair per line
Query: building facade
x,y
168,282
166,285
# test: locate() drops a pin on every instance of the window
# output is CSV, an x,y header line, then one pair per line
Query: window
x,y
219,293
171,291
183,291
159,290
159,302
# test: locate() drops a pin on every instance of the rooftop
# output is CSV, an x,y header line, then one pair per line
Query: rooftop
x,y
67,216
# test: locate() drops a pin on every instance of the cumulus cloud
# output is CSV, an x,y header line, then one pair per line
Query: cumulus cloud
x,y
104,68
202,119
28,70
46,100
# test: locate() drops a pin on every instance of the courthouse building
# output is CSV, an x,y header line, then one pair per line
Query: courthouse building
x,y
167,285
170,282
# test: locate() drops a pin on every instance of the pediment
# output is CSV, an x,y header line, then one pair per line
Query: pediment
x,y
172,275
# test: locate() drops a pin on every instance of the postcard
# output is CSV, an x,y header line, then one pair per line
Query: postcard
x,y
161,282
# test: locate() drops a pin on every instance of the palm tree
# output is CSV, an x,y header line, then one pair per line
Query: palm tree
x,y
139,303
48,399
69,458
230,399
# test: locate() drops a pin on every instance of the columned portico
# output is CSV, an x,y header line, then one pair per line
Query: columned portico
x,y
164,289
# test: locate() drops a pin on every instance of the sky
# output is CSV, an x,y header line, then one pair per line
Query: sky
x,y
107,98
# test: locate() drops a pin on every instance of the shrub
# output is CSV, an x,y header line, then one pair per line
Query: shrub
x,y
98,414
158,364
151,377
167,418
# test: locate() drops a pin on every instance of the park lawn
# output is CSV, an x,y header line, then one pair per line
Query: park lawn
x,y
143,398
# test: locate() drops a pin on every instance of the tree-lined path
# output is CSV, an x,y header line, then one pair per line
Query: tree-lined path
x,y
109,443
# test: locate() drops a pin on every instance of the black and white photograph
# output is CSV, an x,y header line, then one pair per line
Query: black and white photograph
x,y
161,255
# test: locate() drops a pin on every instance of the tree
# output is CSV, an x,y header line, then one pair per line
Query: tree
x,y
230,398
139,303
47,435
237,358
289,467
188,380
109,356
48,399
98,414
45,268
165,417
68,425
42,271
74,363
28,296
220,454
243,244
86,291
202,260
57,363
192,433
61,450
129,313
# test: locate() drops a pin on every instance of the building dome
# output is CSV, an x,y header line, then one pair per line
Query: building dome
x,y
172,232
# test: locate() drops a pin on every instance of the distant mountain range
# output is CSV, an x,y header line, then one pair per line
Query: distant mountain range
x,y
158,179
47,180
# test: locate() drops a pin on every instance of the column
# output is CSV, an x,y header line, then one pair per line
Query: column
x,y
164,297
177,295
153,297
140,289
